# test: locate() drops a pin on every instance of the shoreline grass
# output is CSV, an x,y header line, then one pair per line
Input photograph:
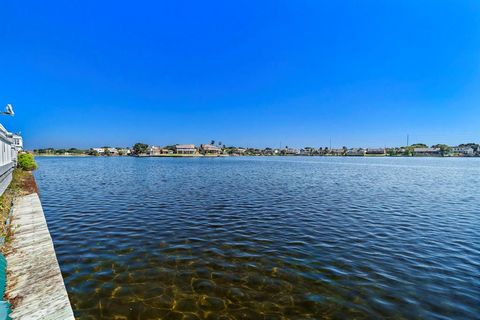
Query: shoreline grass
x,y
22,183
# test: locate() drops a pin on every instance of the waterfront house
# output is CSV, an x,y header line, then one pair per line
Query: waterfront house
x,y
106,151
466,151
16,147
100,151
290,151
185,149
154,151
376,151
8,157
308,151
157,151
17,141
355,152
305,152
337,152
210,149
427,152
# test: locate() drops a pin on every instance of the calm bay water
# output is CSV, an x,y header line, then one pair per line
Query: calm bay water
x,y
266,238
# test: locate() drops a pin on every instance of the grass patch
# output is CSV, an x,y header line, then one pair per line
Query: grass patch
x,y
23,183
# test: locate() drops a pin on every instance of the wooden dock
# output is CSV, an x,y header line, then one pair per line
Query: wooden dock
x,y
34,280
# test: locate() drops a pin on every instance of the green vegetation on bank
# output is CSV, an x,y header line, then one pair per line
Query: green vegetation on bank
x,y
22,183
26,161
140,148
52,151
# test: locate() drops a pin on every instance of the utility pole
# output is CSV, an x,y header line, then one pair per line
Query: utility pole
x,y
330,143
408,140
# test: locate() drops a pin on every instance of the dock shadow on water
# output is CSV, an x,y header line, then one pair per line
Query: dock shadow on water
x,y
263,238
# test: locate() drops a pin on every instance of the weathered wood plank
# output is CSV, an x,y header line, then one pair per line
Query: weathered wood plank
x,y
34,281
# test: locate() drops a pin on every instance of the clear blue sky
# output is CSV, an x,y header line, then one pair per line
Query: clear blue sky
x,y
250,73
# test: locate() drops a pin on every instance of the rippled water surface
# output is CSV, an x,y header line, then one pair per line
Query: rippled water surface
x,y
266,238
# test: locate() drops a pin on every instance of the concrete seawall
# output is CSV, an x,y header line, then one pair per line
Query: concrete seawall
x,y
34,281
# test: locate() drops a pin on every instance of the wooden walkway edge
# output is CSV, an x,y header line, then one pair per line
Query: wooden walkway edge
x,y
34,280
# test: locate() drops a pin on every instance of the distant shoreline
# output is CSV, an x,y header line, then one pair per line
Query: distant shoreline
x,y
241,156
139,156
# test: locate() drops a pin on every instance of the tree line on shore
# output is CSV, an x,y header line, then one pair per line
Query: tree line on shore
x,y
143,148
74,151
